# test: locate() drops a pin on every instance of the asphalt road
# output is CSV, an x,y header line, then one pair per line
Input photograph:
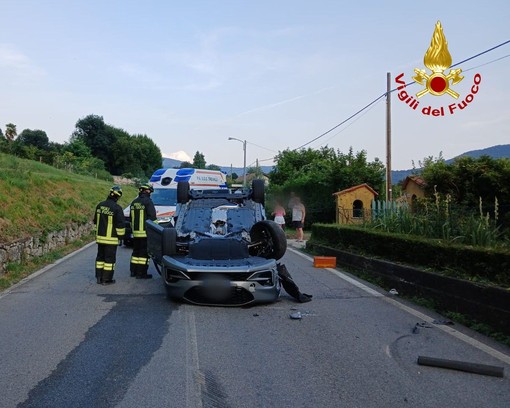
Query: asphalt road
x,y
67,342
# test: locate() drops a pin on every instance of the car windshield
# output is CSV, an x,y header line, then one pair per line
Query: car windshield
x,y
164,196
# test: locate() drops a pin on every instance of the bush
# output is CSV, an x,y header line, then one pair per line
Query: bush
x,y
473,263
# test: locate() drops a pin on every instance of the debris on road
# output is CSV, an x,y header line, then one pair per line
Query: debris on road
x,y
393,292
483,369
296,316
445,322
421,324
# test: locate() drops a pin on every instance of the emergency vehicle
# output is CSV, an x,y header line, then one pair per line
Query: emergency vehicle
x,y
164,197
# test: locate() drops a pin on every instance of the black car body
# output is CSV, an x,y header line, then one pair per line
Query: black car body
x,y
222,250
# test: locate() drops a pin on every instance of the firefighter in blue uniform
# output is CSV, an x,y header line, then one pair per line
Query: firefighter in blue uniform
x,y
110,227
141,209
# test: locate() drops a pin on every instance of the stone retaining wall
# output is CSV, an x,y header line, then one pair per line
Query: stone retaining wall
x,y
24,249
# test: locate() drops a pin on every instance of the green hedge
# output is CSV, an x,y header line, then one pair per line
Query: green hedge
x,y
468,262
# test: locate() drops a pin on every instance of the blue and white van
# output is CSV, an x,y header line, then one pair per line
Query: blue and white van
x,y
164,182
164,197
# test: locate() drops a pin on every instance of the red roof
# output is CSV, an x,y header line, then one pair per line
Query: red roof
x,y
364,185
417,180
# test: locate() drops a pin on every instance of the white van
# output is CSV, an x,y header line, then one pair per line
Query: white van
x,y
164,182
164,197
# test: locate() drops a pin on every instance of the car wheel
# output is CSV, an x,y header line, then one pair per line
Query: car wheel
x,y
257,191
268,240
168,241
182,192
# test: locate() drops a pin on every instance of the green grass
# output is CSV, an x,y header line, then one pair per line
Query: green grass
x,y
37,199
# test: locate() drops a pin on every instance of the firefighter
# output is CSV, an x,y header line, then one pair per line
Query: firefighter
x,y
110,228
141,209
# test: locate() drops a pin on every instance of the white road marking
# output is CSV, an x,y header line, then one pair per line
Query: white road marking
x,y
41,271
447,329
194,380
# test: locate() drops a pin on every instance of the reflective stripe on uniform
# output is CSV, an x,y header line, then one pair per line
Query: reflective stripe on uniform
x,y
138,225
107,240
138,260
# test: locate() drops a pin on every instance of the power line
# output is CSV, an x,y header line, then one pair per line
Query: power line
x,y
393,90
481,53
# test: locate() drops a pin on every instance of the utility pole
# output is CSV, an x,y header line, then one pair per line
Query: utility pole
x,y
244,151
388,137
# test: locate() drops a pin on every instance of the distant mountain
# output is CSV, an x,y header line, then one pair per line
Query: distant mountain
x,y
496,152
170,163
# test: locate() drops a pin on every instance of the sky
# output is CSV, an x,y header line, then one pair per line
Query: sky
x,y
274,73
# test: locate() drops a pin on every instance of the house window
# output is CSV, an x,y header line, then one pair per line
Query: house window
x,y
357,209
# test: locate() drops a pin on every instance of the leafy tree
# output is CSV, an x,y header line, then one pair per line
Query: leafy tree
x,y
199,161
468,180
213,167
10,132
315,175
185,164
78,148
147,154
95,134
2,137
121,152
36,138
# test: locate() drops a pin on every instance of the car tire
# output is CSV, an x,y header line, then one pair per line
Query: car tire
x,y
168,241
268,240
257,191
183,192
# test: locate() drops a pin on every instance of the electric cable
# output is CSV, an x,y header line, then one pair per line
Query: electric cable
x,y
393,90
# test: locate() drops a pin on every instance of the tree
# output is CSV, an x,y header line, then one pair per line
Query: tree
x,y
94,133
468,180
185,164
199,160
10,132
213,167
36,138
78,148
315,175
121,152
147,153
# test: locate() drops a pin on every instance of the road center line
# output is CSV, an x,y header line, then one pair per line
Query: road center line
x,y
193,377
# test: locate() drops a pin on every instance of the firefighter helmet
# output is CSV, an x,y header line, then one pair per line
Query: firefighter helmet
x,y
116,192
146,186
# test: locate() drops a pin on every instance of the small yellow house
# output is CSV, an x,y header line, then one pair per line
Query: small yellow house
x,y
413,188
354,204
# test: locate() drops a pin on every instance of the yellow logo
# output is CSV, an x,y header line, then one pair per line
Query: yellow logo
x,y
438,60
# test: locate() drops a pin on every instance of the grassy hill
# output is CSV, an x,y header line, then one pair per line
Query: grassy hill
x,y
36,198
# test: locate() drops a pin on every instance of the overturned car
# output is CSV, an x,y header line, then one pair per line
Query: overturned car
x,y
222,250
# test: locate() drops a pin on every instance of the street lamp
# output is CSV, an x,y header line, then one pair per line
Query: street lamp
x,y
244,150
